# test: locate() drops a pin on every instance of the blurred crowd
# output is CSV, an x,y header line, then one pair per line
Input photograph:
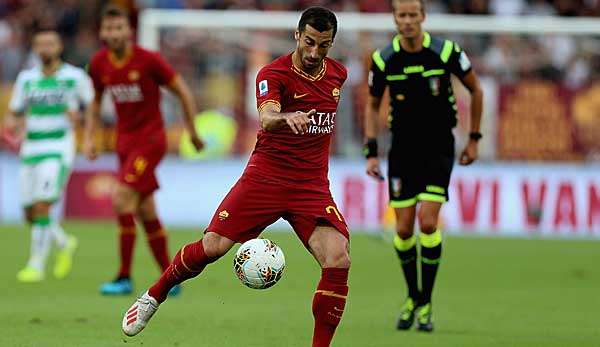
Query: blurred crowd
x,y
77,19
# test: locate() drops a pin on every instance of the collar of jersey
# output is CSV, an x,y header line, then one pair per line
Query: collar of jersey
x,y
398,46
310,77
119,63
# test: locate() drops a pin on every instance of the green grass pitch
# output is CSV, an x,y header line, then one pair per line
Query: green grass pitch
x,y
490,292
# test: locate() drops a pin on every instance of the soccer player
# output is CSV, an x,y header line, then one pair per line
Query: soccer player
x,y
286,177
416,67
46,100
133,76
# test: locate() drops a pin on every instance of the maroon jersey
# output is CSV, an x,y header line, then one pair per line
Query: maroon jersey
x,y
134,87
281,155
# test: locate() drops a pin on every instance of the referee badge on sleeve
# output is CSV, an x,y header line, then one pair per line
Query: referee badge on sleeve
x,y
396,186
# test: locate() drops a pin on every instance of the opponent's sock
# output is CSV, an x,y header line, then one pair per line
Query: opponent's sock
x,y
126,243
328,304
188,263
40,243
431,253
58,234
157,239
407,252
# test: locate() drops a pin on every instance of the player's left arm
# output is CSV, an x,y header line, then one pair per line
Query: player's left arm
x,y
178,87
460,66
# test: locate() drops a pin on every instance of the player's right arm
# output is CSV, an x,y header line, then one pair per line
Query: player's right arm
x,y
377,87
272,119
92,114
13,126
269,91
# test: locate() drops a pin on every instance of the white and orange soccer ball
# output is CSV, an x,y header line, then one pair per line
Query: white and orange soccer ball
x,y
259,263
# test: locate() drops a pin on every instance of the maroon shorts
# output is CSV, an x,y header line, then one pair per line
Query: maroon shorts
x,y
253,204
137,167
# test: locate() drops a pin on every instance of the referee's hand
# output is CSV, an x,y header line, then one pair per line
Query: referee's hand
x,y
373,168
470,153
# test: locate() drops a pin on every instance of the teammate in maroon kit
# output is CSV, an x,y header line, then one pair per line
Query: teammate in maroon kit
x,y
286,177
133,76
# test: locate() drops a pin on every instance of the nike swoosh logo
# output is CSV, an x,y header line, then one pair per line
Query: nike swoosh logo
x,y
337,309
296,96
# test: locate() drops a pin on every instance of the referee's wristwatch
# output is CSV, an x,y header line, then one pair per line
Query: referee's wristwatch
x,y
475,135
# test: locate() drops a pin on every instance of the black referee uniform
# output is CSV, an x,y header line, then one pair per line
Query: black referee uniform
x,y
422,116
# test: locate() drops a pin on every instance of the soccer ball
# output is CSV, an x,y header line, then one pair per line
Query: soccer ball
x,y
259,263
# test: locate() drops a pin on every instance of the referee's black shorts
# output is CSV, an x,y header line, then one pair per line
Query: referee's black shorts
x,y
414,177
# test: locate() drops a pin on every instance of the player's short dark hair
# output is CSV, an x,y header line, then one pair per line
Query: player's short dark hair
x,y
320,18
114,11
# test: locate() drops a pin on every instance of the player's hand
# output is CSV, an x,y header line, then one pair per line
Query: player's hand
x,y
470,153
197,142
374,169
10,138
299,121
89,149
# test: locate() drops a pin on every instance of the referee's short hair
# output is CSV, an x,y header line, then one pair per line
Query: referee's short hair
x,y
422,2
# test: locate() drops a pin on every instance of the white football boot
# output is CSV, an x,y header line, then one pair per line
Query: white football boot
x,y
138,315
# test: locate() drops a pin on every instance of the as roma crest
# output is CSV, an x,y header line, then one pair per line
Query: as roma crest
x,y
133,75
336,94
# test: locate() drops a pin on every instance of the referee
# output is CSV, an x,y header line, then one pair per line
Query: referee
x,y
416,67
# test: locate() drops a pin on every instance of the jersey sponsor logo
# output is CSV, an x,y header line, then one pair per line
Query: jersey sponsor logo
x,y
396,186
263,87
124,93
223,215
133,75
46,96
465,63
300,96
322,123
336,94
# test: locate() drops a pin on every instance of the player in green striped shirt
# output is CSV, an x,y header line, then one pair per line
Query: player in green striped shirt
x,y
45,101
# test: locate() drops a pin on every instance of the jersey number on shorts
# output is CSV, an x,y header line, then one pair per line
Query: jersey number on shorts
x,y
333,209
140,165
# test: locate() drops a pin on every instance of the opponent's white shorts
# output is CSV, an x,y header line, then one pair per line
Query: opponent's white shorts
x,y
43,181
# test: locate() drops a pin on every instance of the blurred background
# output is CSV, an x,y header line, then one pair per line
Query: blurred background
x,y
538,171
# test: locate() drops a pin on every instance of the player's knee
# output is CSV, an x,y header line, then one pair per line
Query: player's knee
x,y
215,245
41,209
147,213
404,231
339,259
123,200
29,215
428,224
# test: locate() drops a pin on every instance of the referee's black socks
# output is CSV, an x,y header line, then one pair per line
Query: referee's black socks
x,y
407,252
431,253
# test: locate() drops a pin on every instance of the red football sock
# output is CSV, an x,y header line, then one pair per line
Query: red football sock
x,y
126,242
328,304
188,263
157,238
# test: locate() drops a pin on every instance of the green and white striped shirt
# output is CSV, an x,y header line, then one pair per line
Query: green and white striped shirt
x,y
45,100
